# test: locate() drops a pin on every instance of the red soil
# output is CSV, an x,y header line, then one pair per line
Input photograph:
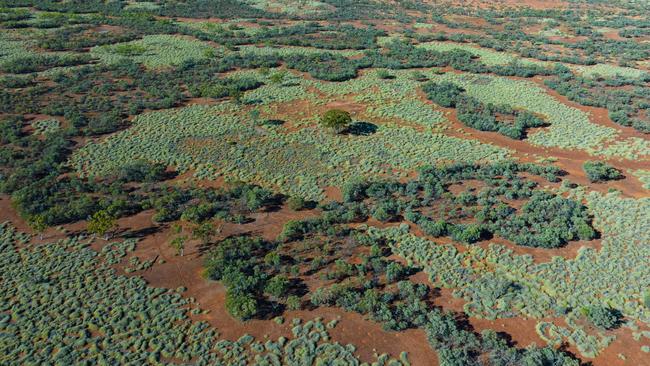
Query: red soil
x,y
501,4
570,161
186,271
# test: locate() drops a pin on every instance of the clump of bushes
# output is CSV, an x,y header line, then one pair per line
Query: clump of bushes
x,y
141,171
546,221
602,317
482,116
443,94
599,171
297,203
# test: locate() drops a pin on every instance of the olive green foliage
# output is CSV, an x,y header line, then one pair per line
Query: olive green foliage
x,y
102,223
599,171
277,286
545,220
141,171
199,206
336,120
296,203
205,231
548,221
603,317
445,94
235,262
241,305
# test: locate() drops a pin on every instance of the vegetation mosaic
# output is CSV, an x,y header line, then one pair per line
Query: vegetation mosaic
x,y
334,182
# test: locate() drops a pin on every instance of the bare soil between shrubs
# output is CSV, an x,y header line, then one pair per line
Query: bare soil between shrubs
x,y
368,337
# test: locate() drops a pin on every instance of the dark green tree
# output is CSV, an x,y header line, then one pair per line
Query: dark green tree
x,y
336,119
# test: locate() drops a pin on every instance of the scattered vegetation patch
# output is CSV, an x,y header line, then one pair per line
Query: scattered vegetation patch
x,y
484,117
599,171
156,51
45,126
297,163
109,306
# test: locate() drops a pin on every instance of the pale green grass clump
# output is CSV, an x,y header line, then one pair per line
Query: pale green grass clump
x,y
155,51
644,177
632,148
285,51
12,47
609,71
141,5
46,126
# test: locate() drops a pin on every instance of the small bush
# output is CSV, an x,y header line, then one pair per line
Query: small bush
x,y
241,305
598,171
468,234
277,287
296,203
602,317
294,303
443,94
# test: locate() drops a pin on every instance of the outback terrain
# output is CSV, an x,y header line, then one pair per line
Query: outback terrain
x,y
333,182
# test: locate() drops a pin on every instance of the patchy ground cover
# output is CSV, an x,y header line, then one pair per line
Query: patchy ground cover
x,y
173,165
156,51
114,318
297,163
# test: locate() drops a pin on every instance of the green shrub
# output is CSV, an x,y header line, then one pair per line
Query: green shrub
x,y
296,203
395,272
444,94
467,234
336,119
241,306
141,171
383,74
277,287
602,317
598,171
294,302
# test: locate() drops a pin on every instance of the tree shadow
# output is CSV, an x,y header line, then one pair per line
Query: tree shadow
x,y
273,122
297,287
362,129
268,309
140,233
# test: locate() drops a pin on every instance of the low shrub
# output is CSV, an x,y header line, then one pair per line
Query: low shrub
x,y
598,171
